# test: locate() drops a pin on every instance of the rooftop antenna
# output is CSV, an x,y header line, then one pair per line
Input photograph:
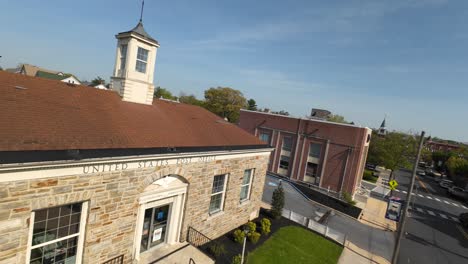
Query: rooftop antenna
x,y
141,14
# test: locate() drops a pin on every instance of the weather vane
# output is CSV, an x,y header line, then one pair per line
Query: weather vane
x,y
142,6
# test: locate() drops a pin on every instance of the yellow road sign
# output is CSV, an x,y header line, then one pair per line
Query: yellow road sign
x,y
393,184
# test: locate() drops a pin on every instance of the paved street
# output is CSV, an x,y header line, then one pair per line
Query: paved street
x,y
434,234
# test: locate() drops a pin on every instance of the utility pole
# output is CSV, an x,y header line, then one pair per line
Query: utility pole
x,y
401,227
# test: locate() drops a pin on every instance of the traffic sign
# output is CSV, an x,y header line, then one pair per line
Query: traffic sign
x,y
393,184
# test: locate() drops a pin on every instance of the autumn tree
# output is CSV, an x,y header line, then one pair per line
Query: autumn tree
x,y
337,119
252,105
98,80
396,150
190,99
160,92
225,102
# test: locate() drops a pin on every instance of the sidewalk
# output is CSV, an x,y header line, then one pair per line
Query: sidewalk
x,y
374,215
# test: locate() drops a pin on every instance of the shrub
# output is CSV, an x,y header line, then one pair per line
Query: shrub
x,y
236,259
239,236
251,226
266,224
217,249
277,202
254,237
347,197
369,176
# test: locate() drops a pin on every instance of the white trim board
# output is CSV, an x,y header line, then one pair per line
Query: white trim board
x,y
18,172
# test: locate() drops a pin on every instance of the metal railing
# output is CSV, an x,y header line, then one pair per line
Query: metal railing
x,y
196,238
116,260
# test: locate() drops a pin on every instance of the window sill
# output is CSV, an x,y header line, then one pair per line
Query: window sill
x,y
214,215
244,202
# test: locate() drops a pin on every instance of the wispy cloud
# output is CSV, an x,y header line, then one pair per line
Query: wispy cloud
x,y
347,19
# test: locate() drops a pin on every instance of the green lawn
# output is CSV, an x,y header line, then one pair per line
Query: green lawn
x,y
294,244
368,176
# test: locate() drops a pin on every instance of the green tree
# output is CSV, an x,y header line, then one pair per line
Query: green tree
x,y
458,170
337,119
392,151
252,105
190,99
225,102
164,93
440,158
98,80
277,202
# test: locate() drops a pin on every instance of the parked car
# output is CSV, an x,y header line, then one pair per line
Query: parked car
x,y
463,217
421,173
370,166
446,184
458,192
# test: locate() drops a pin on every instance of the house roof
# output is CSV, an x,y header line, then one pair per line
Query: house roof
x,y
43,114
32,70
54,76
140,30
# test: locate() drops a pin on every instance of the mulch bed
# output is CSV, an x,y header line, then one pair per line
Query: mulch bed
x,y
233,248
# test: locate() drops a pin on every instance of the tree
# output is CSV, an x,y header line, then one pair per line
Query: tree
x,y
392,151
190,99
225,102
252,105
98,80
458,170
163,93
337,119
277,202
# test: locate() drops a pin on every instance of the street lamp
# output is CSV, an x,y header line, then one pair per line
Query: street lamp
x,y
246,231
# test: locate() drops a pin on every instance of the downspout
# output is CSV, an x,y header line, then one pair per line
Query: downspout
x,y
295,149
344,172
275,166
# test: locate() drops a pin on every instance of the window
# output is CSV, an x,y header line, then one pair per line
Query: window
x,y
245,185
287,143
314,150
284,162
265,137
154,227
56,233
311,169
217,193
142,59
123,56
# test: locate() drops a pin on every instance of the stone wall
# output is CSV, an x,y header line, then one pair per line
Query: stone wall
x,y
113,206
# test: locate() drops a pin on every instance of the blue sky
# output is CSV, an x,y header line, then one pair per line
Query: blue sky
x,y
360,59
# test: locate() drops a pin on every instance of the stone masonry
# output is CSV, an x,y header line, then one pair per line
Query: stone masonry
x,y
113,205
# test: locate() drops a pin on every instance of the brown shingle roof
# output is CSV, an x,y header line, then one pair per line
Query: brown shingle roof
x,y
42,114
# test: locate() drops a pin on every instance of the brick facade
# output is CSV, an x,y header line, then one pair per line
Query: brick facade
x,y
113,204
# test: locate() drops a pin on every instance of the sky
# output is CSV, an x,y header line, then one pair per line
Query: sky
x,y
403,59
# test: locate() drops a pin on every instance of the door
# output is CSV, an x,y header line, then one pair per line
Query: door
x,y
155,226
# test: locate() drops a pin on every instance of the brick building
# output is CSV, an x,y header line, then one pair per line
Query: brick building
x,y
324,154
87,175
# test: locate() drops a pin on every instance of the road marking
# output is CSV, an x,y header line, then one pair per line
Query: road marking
x,y
420,195
420,210
454,219
437,199
421,183
429,197
455,204
431,213
446,202
405,192
444,216
397,190
464,207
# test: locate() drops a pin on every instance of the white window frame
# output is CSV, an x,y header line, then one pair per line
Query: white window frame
x,y
123,56
249,184
142,61
80,234
223,195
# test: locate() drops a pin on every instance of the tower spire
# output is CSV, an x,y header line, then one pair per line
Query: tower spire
x,y
141,13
